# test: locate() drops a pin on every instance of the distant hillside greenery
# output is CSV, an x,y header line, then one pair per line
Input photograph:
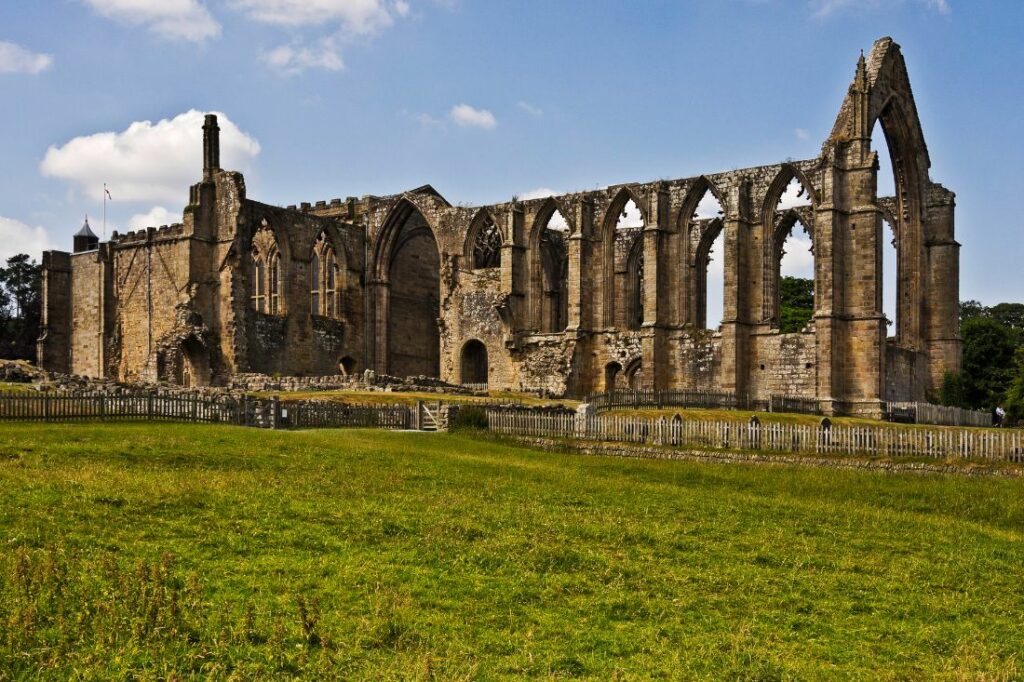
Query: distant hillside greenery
x,y
993,360
796,303
20,296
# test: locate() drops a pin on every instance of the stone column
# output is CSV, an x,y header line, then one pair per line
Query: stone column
x,y
942,306
656,290
581,303
735,323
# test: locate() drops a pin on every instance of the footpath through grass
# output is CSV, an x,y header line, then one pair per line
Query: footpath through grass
x,y
173,551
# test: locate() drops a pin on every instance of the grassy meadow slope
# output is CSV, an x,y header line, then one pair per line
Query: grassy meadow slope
x,y
180,551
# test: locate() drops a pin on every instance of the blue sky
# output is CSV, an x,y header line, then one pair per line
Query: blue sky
x,y
331,98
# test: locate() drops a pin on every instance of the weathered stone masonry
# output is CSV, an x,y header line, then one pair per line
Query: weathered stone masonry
x,y
411,285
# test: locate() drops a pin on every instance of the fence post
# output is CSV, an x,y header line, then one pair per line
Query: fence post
x,y
275,412
583,412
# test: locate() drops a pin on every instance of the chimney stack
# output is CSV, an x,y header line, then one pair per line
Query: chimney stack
x,y
211,147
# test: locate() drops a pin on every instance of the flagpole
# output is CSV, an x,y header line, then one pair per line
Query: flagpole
x,y
104,211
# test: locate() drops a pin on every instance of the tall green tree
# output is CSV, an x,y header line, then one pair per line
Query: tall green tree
x,y
20,284
988,361
796,303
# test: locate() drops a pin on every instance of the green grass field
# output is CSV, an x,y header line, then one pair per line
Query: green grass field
x,y
173,552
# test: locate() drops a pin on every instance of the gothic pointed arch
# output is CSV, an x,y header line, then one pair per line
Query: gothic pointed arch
x,y
484,240
406,294
266,289
778,222
690,301
327,274
548,258
610,285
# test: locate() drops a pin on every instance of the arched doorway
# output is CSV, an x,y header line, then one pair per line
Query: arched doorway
x,y
611,375
473,363
194,364
409,300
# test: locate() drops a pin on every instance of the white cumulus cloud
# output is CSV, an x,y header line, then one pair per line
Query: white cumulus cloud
x,y
147,162
359,17
17,59
155,217
291,60
824,8
468,117
539,193
532,110
17,237
172,19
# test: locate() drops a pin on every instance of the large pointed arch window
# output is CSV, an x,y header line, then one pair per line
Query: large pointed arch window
x,y
623,226
705,246
324,276
259,283
790,281
265,282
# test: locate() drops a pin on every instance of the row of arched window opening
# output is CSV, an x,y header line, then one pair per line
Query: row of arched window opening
x,y
324,281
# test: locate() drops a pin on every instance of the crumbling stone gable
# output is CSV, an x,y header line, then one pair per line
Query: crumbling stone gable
x,y
409,284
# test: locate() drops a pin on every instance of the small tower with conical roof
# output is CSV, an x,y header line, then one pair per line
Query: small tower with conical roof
x,y
85,239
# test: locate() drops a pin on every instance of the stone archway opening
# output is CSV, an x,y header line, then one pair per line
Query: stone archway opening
x,y
634,374
347,365
611,375
194,364
549,273
411,307
473,363
704,233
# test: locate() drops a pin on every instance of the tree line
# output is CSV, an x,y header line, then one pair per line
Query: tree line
x,y
992,372
20,307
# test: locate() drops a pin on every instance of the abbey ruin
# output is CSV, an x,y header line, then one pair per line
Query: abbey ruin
x,y
551,293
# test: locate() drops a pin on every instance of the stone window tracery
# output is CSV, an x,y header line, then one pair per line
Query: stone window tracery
x,y
487,247
265,290
324,279
259,279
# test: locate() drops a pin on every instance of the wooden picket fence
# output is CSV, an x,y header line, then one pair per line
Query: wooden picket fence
x,y
926,413
888,441
194,408
129,406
